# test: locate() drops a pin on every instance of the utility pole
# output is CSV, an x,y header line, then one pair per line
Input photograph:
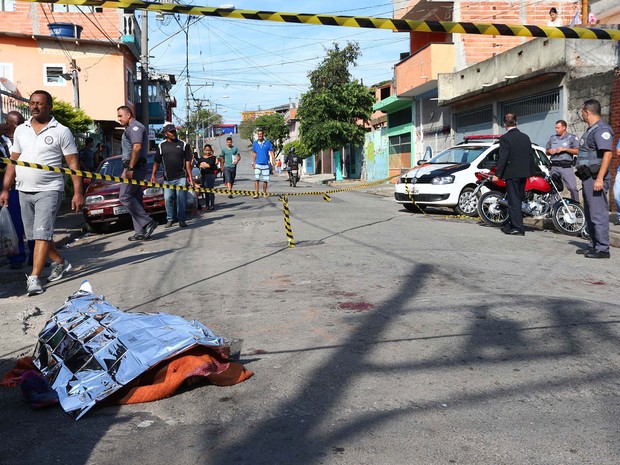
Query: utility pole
x,y
76,84
585,18
197,116
144,70
187,77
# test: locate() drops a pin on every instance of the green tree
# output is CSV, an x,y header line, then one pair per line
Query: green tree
x,y
204,118
247,128
300,148
75,119
330,111
275,128
199,121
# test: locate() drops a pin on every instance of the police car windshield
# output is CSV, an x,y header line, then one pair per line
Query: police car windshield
x,y
462,154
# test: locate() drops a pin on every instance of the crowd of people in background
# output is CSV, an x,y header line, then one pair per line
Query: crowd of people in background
x,y
555,19
34,196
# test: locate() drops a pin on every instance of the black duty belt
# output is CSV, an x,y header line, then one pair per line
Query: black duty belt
x,y
562,164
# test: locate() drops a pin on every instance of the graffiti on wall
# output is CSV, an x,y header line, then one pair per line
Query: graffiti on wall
x,y
376,155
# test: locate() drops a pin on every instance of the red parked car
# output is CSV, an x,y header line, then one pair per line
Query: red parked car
x,y
102,206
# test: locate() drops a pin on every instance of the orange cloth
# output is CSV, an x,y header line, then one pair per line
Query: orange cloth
x,y
12,377
164,379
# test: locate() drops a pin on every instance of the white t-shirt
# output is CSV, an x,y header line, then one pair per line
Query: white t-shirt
x,y
49,147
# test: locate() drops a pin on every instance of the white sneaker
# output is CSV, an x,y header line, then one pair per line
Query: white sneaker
x,y
58,270
33,285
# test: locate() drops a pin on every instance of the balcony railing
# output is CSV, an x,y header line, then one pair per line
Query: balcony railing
x,y
131,34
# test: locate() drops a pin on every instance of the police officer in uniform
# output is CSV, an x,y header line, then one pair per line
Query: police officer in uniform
x,y
561,148
593,161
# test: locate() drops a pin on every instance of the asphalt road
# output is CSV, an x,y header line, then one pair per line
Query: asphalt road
x,y
383,337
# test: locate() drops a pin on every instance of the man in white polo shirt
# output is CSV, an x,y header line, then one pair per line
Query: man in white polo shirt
x,y
42,140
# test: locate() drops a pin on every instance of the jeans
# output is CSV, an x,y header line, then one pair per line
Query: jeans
x,y
208,181
181,200
16,216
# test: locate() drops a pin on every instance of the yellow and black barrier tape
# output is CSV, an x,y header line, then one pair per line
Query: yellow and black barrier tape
x,y
282,196
106,177
287,221
450,27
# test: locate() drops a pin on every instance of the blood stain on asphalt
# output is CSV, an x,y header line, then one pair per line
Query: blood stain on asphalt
x,y
361,306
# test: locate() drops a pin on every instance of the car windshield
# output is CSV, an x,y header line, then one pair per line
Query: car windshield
x,y
462,154
114,166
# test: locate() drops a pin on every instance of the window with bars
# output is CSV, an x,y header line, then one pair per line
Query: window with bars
x,y
543,103
400,143
474,118
6,71
54,75
130,86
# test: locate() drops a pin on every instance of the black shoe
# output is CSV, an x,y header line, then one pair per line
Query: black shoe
x,y
230,196
136,237
585,251
182,224
597,254
149,228
506,228
513,232
617,222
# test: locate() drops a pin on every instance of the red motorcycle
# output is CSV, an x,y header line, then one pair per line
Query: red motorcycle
x,y
543,199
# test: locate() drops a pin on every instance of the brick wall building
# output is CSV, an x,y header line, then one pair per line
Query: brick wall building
x,y
472,49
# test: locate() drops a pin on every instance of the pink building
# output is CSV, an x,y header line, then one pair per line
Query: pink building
x,y
82,55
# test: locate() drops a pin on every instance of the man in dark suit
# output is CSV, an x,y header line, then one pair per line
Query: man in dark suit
x,y
513,166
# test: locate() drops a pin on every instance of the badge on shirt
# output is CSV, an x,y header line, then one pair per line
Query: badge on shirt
x,y
49,140
606,135
135,128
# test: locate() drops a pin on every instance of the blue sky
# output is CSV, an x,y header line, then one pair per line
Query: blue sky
x,y
265,64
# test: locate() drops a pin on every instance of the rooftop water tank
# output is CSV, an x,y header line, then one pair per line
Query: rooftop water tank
x,y
65,30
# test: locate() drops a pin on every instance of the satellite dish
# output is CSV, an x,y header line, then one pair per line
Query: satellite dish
x,y
8,86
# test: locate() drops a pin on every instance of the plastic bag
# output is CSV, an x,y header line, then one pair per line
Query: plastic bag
x,y
9,242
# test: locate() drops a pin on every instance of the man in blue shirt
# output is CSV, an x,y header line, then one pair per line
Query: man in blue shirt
x,y
262,153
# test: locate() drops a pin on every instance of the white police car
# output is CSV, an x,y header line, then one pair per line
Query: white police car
x,y
448,179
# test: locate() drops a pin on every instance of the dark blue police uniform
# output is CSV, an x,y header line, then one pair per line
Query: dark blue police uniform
x,y
599,137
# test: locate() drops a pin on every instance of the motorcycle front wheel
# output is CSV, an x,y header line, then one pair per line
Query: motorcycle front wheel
x,y
490,210
569,219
